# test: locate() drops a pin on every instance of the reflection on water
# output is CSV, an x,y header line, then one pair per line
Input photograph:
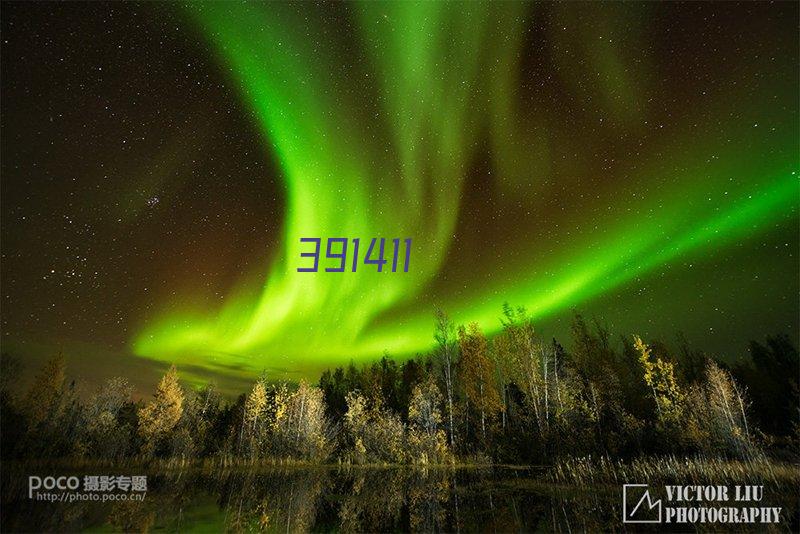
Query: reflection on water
x,y
335,499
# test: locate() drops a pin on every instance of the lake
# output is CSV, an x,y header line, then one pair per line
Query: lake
x,y
331,498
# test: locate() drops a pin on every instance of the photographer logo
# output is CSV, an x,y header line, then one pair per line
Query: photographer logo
x,y
638,506
691,504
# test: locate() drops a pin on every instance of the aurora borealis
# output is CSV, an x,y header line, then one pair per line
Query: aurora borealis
x,y
635,161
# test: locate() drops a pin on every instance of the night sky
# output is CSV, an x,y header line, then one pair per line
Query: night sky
x,y
160,163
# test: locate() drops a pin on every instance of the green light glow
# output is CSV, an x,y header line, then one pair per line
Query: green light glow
x,y
384,148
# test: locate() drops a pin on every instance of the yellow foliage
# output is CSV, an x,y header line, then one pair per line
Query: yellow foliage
x,y
660,377
255,404
160,415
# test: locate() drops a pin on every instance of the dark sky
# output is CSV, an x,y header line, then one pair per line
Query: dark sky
x,y
129,170
142,170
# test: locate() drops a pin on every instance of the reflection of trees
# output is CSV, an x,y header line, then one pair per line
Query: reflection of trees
x,y
292,500
428,495
373,499
586,511
284,500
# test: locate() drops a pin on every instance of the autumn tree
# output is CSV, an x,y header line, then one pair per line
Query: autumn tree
x,y
503,365
446,349
426,437
104,434
719,415
477,374
202,416
195,434
299,423
356,421
253,429
529,364
158,417
669,398
278,399
372,433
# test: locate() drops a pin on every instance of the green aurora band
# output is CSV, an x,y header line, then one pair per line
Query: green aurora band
x,y
384,148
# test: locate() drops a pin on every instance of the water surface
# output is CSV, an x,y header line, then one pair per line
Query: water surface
x,y
336,499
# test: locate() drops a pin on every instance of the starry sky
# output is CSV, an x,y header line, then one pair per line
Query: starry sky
x,y
160,163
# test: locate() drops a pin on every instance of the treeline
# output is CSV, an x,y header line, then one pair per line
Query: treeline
x,y
515,398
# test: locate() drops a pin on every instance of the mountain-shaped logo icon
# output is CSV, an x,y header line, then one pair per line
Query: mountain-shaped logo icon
x,y
638,506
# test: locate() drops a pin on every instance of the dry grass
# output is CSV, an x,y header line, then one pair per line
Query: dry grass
x,y
672,469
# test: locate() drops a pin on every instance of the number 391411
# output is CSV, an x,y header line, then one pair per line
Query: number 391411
x,y
337,249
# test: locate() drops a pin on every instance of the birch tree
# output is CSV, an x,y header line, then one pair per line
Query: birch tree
x,y
445,340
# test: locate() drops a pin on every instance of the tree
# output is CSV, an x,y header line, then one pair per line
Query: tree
x,y
252,431
529,363
373,434
159,416
774,385
12,416
53,412
659,375
334,387
388,379
46,394
412,372
426,439
10,369
727,407
423,409
446,350
201,415
477,373
304,427
104,435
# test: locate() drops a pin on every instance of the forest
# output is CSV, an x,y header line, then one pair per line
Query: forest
x,y
517,399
